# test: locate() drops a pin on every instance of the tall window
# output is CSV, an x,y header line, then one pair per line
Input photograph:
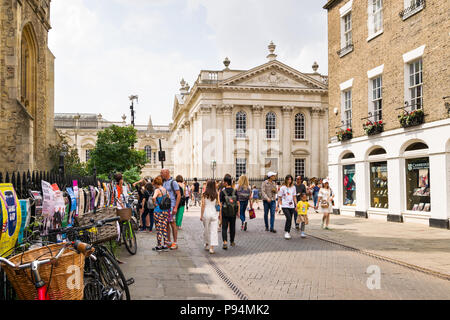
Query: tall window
x,y
377,15
299,126
299,167
241,124
88,155
28,69
347,103
415,84
347,29
154,157
270,125
241,167
148,153
377,98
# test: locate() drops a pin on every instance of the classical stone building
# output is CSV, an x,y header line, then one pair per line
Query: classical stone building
x,y
26,85
389,59
271,117
80,130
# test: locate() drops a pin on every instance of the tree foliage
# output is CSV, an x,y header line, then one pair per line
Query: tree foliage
x,y
72,163
114,152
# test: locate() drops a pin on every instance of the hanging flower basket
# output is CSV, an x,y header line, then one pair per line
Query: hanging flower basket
x,y
371,128
410,119
344,135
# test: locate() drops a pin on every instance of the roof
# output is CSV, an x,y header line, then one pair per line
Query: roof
x,y
330,4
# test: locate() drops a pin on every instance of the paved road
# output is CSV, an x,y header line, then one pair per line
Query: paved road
x,y
266,266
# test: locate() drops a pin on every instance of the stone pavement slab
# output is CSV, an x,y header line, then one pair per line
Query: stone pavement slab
x,y
415,244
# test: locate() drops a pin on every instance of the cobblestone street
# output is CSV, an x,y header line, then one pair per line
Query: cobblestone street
x,y
266,266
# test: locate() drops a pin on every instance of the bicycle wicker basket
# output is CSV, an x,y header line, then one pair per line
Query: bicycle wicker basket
x,y
65,280
124,214
105,233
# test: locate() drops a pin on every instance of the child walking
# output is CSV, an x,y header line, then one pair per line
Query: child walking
x,y
302,210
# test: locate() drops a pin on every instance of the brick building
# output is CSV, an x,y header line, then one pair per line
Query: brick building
x,y
390,58
26,85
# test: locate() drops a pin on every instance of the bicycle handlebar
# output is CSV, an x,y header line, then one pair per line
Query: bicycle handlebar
x,y
94,224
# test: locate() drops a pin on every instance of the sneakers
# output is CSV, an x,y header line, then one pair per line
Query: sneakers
x,y
303,235
297,227
174,246
225,246
267,229
206,247
233,244
245,226
160,248
273,231
326,228
165,248
287,236
242,227
211,251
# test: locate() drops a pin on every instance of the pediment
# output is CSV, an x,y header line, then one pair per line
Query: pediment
x,y
274,74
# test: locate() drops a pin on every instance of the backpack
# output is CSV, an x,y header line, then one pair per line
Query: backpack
x,y
183,198
150,205
244,194
166,203
230,206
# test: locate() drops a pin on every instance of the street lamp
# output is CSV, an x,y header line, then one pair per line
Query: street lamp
x,y
213,166
132,98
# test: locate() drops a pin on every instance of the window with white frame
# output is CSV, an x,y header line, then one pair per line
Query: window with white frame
x,y
415,84
347,20
411,7
88,154
148,153
347,108
299,167
377,98
299,126
271,125
241,124
154,157
241,167
375,22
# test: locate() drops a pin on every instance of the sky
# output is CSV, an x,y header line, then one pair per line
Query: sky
x,y
107,50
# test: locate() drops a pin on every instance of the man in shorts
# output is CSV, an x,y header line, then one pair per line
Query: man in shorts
x,y
175,196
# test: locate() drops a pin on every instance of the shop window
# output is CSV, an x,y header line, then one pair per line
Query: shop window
x,y
416,146
377,151
379,185
349,155
418,184
349,185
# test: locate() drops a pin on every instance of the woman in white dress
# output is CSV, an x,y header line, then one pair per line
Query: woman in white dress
x,y
210,216
325,203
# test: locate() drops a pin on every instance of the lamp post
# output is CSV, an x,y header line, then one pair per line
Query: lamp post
x,y
213,166
132,98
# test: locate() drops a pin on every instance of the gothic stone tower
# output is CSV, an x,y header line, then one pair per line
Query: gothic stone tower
x,y
26,85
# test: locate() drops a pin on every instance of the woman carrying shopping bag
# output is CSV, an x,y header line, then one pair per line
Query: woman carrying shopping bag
x,y
243,192
210,216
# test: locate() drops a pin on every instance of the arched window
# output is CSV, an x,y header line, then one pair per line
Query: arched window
x,y
148,153
348,155
241,124
28,69
271,122
299,126
88,154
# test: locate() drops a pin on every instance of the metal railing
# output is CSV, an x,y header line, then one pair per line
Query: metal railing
x,y
416,5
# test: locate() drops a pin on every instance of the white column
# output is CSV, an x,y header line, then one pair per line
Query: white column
x,y
315,142
256,142
205,157
396,186
362,186
286,141
229,159
438,186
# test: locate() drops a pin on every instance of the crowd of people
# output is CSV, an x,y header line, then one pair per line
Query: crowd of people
x,y
163,200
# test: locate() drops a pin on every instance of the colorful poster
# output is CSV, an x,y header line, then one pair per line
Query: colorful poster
x,y
12,217
48,207
73,205
75,191
59,215
25,208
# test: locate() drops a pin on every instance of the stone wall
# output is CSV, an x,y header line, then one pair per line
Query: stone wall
x,y
25,132
428,27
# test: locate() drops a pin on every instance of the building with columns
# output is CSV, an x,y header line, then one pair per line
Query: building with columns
x,y
80,130
269,118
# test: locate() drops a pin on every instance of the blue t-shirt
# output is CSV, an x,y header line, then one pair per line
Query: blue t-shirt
x,y
172,186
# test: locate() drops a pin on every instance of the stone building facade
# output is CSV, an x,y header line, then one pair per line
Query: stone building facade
x,y
26,85
80,130
269,118
388,59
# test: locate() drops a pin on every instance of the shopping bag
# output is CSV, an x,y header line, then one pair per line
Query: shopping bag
x,y
251,213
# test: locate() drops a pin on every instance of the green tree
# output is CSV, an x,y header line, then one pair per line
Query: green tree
x,y
72,163
114,152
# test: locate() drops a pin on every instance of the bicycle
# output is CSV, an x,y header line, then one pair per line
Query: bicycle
x,y
104,280
39,284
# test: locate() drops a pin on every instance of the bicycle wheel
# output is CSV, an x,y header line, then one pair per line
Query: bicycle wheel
x,y
129,237
111,274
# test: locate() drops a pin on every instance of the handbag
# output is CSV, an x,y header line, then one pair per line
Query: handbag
x,y
324,204
218,207
251,213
